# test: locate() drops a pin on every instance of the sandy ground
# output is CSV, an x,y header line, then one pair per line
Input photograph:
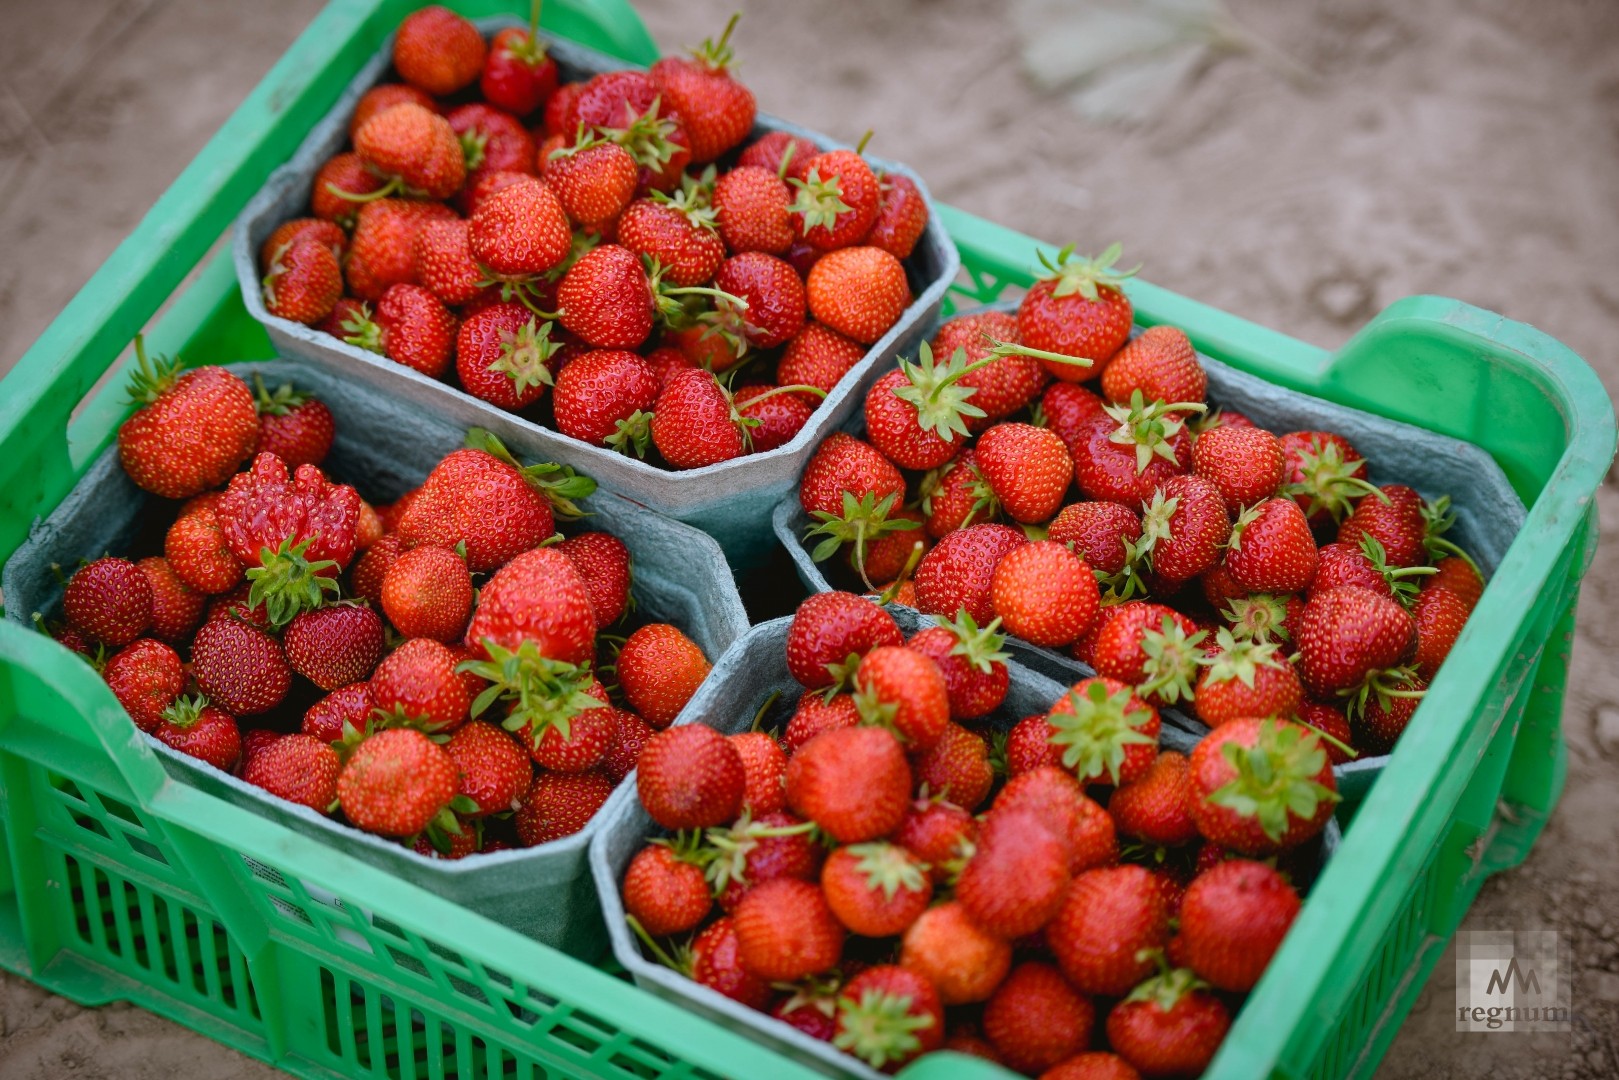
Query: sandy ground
x,y
1464,148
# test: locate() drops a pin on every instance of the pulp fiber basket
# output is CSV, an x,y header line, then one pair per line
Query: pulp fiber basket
x,y
743,680
117,883
680,576
731,500
1489,512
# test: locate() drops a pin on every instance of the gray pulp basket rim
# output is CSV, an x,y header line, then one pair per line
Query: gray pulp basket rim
x,y
625,825
295,175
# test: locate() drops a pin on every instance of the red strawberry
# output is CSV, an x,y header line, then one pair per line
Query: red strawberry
x,y
1247,679
145,676
1110,920
520,231
877,889
972,663
1340,564
1264,617
844,464
829,628
1056,798
1154,809
492,141
414,149
785,931
240,667
443,264
819,357
695,422
1005,385
1232,921
1261,786
1070,410
715,963
1331,722
347,706
191,431
902,215
517,74
303,281
194,727
939,833
176,607
1440,616
1014,883
1153,648
956,575
1346,635
659,669
537,597
853,782
594,179
418,682
109,600
603,563
631,106
294,426
677,233
776,845
396,783
1184,528
956,767
1101,533
1324,474
717,110
560,109
665,360
1460,576
764,764
1077,309
560,804
770,150
571,732
1272,549
298,768
836,201
690,777
1029,745
1035,1019
916,415
411,327
904,691
962,961
780,416
1044,593
621,757
438,51
859,291
427,593
1107,733
336,182
334,646
816,714
383,251
1247,464
752,210
505,356
665,893
956,496
1397,520
1160,365
773,296
1170,1025
604,398
608,300
888,1016
371,568
310,228
1129,452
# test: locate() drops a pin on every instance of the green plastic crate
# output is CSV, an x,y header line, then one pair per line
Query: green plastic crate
x,y
117,883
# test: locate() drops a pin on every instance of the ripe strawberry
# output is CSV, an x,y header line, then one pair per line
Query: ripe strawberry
x,y
903,691
957,574
194,727
294,426
836,201
560,804
594,180
484,500
1324,474
236,605
442,263
785,930
1460,576
1152,647
1160,364
520,231
427,593
1346,635
1044,593
827,629
752,210
298,768
773,296
859,291
518,75
621,757
310,228
1077,309
962,961
770,150
176,607
303,282
396,783
109,601
571,732
190,432
665,360
1383,709
1247,464
414,149
750,852
1107,733
853,782
843,464
1092,1065
383,251
690,777
1272,549
1339,564
902,215
410,327
664,892
1014,883
1247,679
678,233
939,833
764,764
1232,921
780,416
1005,385
659,669
560,108
1070,410
972,662
1170,1025
1263,617
537,597
506,356
1154,809
916,415
715,963
1397,520
889,1015
1331,722
603,564
371,568
1261,786
608,300
417,682
336,185
1183,528
956,496
1057,799
1101,533
240,667
1129,452
346,706
956,767
875,890
716,109
1109,921
605,397
1035,1019
817,356
334,646
492,141
438,51
382,98
816,714
1440,616
1029,745
145,676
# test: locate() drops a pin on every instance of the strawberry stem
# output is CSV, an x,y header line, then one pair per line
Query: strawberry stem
x,y
800,388
1001,348
860,147
394,185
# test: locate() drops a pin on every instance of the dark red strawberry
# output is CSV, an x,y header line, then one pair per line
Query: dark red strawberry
x,y
828,629
836,201
1440,616
1109,922
603,563
1003,386
902,215
347,706
779,414
1247,679
771,149
417,683
194,727
622,756
1261,786
716,964
1077,309
1397,519
1346,635
1184,528
1272,549
889,1015
917,416
506,356
411,326
1029,745
690,777
1324,474
294,426
1170,1025
298,768
853,782
1160,365
240,667
371,569
1154,648
1156,808
773,295
145,676
972,662
190,431
957,574
492,141
939,833
677,233
536,598
956,767
594,179
560,804
334,646
518,75
695,422
956,496
1233,920
109,601
438,51
1129,452
816,714
1101,533
1069,409
1107,733
176,607
604,397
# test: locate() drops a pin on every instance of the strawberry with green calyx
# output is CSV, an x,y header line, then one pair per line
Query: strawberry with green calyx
x,y
397,783
664,888
756,849
1147,430
876,889
1183,529
604,397
544,699
716,109
778,417
654,137
1346,635
1272,548
194,727
956,495
1170,1025
903,691
829,629
518,75
889,1015
1154,648
940,833
190,431
416,686
972,660
1246,678
677,231
1365,564
414,150
1160,364
1077,309
1263,617
844,463
1438,518
145,676
811,1004
837,198
505,356
1381,707
1125,453
1107,733
293,425
1233,920
864,520
1262,786
594,178
1104,534
711,960
1324,475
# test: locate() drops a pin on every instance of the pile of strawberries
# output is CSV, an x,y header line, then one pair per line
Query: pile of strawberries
x,y
838,878
603,239
1207,563
425,667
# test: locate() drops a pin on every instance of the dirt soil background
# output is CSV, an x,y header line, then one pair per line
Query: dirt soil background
x,y
1462,148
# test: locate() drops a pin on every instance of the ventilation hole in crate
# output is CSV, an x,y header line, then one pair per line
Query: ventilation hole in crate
x,y
89,824
76,890
222,965
466,989
120,810
500,979
264,873
291,911
523,1016
406,960
142,846
188,920
444,952
104,902
328,1011
582,1038
391,929
165,940
64,785
626,1065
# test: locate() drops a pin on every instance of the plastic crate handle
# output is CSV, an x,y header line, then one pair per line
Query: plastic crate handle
x,y
38,463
